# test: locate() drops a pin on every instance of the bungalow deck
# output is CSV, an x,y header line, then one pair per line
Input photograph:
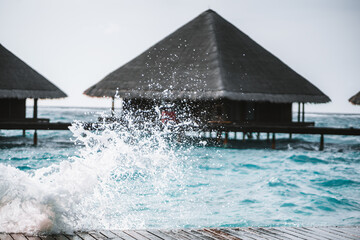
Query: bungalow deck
x,y
219,128
273,233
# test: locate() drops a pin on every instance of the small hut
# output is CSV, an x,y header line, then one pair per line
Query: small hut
x,y
18,81
217,70
355,99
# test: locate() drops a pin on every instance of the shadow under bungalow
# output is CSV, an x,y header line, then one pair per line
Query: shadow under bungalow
x,y
217,70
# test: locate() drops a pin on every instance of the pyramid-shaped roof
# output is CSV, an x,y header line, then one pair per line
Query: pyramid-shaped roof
x,y
208,58
355,99
18,80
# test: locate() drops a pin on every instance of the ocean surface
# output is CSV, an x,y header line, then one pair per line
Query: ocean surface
x,y
134,179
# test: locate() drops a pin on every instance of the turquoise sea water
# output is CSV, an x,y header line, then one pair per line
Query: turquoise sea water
x,y
116,179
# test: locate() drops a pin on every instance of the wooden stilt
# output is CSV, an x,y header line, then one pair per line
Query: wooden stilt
x,y
298,112
112,106
35,113
267,136
24,133
321,147
303,112
226,138
258,136
244,134
218,136
35,138
290,135
273,144
235,137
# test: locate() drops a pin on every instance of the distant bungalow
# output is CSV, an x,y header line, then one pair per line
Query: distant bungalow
x,y
18,81
355,99
218,70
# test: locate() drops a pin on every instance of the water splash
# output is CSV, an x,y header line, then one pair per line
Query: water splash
x,y
121,171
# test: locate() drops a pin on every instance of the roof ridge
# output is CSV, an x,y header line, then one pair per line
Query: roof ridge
x,y
218,53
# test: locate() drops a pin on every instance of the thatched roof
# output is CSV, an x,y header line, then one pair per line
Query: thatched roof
x,y
18,80
355,99
208,58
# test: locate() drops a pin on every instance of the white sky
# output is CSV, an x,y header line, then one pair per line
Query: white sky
x,y
75,43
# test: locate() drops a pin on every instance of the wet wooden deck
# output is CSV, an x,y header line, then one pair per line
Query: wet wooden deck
x,y
273,233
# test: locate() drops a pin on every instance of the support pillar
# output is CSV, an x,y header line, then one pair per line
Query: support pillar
x,y
267,136
112,106
273,144
321,147
243,136
303,112
235,136
218,136
35,137
226,138
290,135
299,112
258,136
24,133
35,113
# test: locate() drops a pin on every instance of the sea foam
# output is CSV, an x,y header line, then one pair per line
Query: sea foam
x,y
117,169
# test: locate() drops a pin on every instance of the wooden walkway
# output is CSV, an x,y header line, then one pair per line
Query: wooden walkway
x,y
272,233
34,125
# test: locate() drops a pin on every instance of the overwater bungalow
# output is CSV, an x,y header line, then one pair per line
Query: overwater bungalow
x,y
210,69
18,81
355,99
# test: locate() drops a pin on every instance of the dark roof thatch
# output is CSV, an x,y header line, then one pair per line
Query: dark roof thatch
x,y
355,99
208,58
18,80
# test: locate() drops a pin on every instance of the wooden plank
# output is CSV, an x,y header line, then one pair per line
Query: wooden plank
x,y
73,237
135,235
352,230
122,235
160,234
247,233
97,235
317,232
18,236
304,233
33,238
34,126
337,235
187,235
198,235
195,235
148,235
262,233
253,234
209,233
240,234
328,234
5,236
175,234
223,234
48,237
268,233
344,232
288,234
85,235
109,234
61,237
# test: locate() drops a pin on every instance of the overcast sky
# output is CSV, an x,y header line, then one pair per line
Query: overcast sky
x,y
75,43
